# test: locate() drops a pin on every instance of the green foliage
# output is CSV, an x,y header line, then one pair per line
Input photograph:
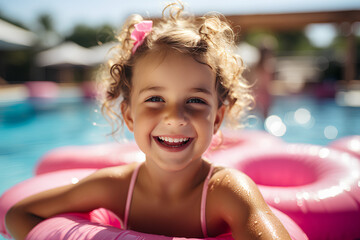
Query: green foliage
x,y
87,36
285,42
256,37
294,41
339,43
46,22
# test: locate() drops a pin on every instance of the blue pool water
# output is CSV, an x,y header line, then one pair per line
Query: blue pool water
x,y
29,129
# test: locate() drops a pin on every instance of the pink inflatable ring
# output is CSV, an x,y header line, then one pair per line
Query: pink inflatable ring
x,y
317,187
114,154
350,144
96,225
42,89
90,156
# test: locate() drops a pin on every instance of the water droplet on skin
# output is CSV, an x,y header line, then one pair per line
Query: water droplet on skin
x,y
260,233
256,222
74,180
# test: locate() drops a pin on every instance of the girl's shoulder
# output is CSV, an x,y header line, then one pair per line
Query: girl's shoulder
x,y
228,177
122,172
108,181
108,186
111,177
232,187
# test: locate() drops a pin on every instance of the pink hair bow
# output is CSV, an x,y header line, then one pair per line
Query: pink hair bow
x,y
142,29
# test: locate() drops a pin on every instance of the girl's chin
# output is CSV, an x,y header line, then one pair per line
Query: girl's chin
x,y
172,165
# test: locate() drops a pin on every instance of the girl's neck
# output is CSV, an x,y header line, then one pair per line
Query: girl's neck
x,y
173,184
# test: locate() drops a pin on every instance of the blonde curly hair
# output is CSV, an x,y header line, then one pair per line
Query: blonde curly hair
x,y
208,39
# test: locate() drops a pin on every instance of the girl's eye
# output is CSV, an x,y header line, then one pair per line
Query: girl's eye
x,y
196,100
154,99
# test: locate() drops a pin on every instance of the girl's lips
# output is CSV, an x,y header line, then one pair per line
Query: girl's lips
x,y
173,144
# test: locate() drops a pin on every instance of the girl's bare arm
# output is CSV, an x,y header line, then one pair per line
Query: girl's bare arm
x,y
92,192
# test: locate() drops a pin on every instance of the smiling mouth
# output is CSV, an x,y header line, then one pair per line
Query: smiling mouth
x,y
173,142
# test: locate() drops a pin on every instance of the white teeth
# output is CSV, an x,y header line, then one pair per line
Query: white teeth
x,y
173,140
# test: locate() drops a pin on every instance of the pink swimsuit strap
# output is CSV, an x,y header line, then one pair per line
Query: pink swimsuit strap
x,y
203,199
129,195
203,202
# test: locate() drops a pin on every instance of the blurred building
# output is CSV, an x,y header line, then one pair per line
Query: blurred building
x,y
344,21
15,50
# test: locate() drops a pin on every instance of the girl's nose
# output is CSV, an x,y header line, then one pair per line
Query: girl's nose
x,y
175,116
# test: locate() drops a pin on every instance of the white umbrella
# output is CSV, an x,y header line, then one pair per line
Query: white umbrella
x,y
100,54
13,37
68,53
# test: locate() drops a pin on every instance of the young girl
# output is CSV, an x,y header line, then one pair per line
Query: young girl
x,y
173,83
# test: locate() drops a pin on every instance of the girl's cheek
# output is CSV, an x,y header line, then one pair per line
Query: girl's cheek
x,y
150,111
203,113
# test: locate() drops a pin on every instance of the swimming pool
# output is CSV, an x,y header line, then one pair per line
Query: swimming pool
x,y
28,129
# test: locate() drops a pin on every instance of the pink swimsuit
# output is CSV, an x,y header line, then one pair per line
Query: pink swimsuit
x,y
203,199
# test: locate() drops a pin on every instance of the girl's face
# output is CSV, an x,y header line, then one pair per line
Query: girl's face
x,y
173,109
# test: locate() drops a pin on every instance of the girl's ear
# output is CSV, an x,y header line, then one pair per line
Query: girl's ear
x,y
219,118
126,113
